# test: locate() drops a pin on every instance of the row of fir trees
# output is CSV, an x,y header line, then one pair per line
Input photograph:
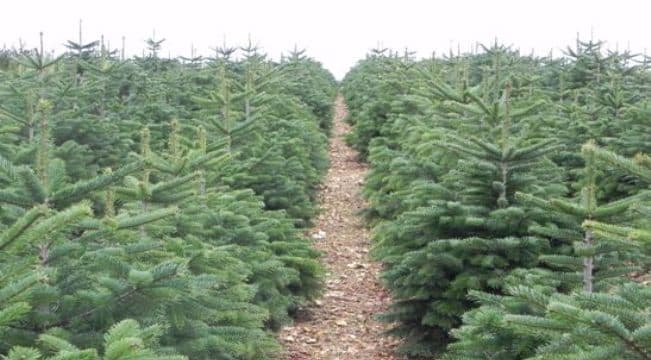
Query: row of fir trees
x,y
509,200
153,208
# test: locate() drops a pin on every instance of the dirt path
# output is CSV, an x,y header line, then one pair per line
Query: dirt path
x,y
340,326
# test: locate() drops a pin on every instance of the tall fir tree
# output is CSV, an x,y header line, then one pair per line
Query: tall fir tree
x,y
582,263
471,232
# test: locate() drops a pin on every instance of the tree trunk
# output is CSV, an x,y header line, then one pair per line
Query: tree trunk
x,y
588,265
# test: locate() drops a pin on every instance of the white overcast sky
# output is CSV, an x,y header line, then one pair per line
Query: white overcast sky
x,y
335,32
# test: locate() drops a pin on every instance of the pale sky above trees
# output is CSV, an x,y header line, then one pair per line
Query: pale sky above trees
x,y
336,32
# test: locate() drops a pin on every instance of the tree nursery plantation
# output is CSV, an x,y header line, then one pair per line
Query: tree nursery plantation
x,y
174,208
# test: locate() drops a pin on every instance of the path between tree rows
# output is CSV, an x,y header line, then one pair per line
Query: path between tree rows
x,y
341,324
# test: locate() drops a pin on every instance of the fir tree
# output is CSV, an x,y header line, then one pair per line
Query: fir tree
x,y
582,262
103,221
124,340
463,223
584,324
471,232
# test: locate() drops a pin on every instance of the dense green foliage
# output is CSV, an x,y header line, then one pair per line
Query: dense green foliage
x,y
166,193
500,238
124,340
